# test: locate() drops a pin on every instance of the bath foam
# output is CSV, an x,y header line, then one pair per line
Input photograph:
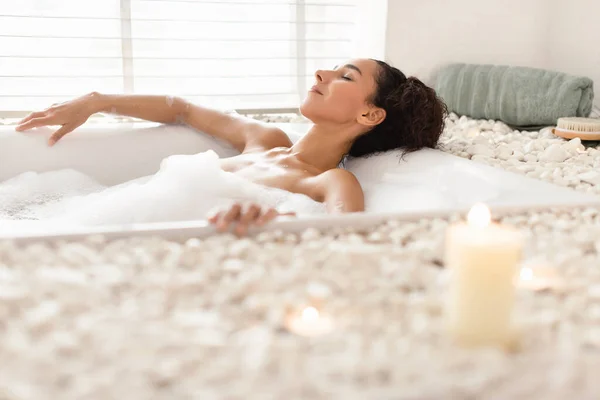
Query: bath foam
x,y
187,187
24,196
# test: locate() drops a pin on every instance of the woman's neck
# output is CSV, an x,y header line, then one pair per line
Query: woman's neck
x,y
324,146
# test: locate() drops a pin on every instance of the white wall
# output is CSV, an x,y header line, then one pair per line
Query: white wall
x,y
575,40
370,29
561,35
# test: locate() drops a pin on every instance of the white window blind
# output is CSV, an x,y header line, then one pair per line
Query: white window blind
x,y
243,54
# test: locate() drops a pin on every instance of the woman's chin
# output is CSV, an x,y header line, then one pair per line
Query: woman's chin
x,y
305,109
311,107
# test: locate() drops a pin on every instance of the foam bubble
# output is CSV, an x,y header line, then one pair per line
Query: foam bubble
x,y
25,196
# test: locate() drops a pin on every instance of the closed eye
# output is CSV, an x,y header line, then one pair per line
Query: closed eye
x,y
346,78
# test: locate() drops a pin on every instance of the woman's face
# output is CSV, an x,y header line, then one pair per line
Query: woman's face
x,y
341,95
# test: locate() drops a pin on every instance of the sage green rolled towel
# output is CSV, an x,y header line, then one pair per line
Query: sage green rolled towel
x,y
518,96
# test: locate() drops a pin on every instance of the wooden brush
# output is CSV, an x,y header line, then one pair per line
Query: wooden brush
x,y
583,128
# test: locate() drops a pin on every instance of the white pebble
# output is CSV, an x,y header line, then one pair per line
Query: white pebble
x,y
503,152
518,155
233,265
545,175
500,127
573,145
513,161
560,181
63,275
376,236
592,337
526,168
594,292
547,133
481,140
317,290
480,150
310,234
487,125
592,177
585,159
533,146
554,153
515,145
240,247
572,181
40,317
481,159
473,132
193,243
530,158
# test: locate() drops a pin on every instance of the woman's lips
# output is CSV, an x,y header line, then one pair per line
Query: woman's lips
x,y
315,89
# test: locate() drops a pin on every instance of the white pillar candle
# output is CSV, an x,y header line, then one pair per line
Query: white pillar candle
x,y
482,259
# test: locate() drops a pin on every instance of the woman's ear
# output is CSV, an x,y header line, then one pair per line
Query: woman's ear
x,y
373,116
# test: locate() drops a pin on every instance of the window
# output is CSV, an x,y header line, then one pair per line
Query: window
x,y
243,54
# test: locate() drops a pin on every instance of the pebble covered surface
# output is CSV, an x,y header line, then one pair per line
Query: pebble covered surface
x,y
147,318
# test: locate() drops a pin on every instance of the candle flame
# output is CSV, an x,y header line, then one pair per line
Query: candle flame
x,y
479,216
539,276
526,274
310,314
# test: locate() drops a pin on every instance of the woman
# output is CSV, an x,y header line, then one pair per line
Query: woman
x,y
362,107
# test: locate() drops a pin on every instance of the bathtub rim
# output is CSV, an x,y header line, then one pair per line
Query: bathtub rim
x,y
201,229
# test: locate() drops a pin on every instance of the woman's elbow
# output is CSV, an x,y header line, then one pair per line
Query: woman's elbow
x,y
181,109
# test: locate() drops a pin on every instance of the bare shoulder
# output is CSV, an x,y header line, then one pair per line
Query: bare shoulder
x,y
264,137
339,181
339,175
340,190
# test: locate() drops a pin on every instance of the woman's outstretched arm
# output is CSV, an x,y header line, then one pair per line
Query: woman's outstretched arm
x,y
241,132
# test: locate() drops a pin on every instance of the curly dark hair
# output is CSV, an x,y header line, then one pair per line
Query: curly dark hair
x,y
414,115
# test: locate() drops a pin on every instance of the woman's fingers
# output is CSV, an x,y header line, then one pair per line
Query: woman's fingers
x,y
36,122
249,215
243,217
33,120
214,217
29,117
232,214
267,216
62,131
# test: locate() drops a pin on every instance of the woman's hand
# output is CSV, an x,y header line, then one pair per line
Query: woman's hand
x,y
243,216
70,115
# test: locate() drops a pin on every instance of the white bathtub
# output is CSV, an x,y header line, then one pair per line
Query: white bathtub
x,y
117,152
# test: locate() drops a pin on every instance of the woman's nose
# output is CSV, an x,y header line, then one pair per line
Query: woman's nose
x,y
319,75
322,75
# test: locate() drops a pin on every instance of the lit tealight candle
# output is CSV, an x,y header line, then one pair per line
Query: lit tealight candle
x,y
539,276
309,322
482,258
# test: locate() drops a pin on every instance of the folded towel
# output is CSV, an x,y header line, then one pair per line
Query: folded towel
x,y
518,96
